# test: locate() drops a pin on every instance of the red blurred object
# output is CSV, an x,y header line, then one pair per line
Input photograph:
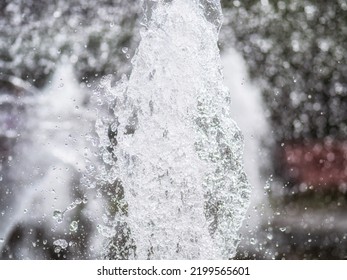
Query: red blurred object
x,y
317,164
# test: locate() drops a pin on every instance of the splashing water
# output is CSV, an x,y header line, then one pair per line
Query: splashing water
x,y
172,147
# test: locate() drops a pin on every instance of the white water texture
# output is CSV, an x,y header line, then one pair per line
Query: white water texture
x,y
176,150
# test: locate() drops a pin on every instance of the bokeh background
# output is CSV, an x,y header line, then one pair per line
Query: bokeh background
x,y
285,64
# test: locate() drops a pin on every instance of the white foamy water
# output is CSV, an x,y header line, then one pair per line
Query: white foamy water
x,y
172,143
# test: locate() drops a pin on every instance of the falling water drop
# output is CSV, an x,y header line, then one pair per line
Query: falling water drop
x,y
58,216
62,243
74,226
283,229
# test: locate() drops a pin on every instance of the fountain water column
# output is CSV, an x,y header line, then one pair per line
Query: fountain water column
x,y
178,153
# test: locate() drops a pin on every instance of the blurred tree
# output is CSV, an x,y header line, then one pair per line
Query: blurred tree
x,y
36,35
297,51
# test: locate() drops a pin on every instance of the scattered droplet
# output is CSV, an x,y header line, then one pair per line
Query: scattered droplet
x,y
283,229
125,50
74,226
78,201
253,241
25,211
57,250
1,240
57,14
58,216
62,243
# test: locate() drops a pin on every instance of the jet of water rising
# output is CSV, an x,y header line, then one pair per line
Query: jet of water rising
x,y
173,146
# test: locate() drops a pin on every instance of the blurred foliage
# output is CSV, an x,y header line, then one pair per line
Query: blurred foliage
x,y
36,35
297,50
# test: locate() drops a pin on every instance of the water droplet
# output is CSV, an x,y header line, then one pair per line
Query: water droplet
x,y
62,243
127,56
57,250
125,50
44,242
283,229
78,201
25,211
74,226
253,241
0,178
57,14
2,240
58,216
269,236
61,85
